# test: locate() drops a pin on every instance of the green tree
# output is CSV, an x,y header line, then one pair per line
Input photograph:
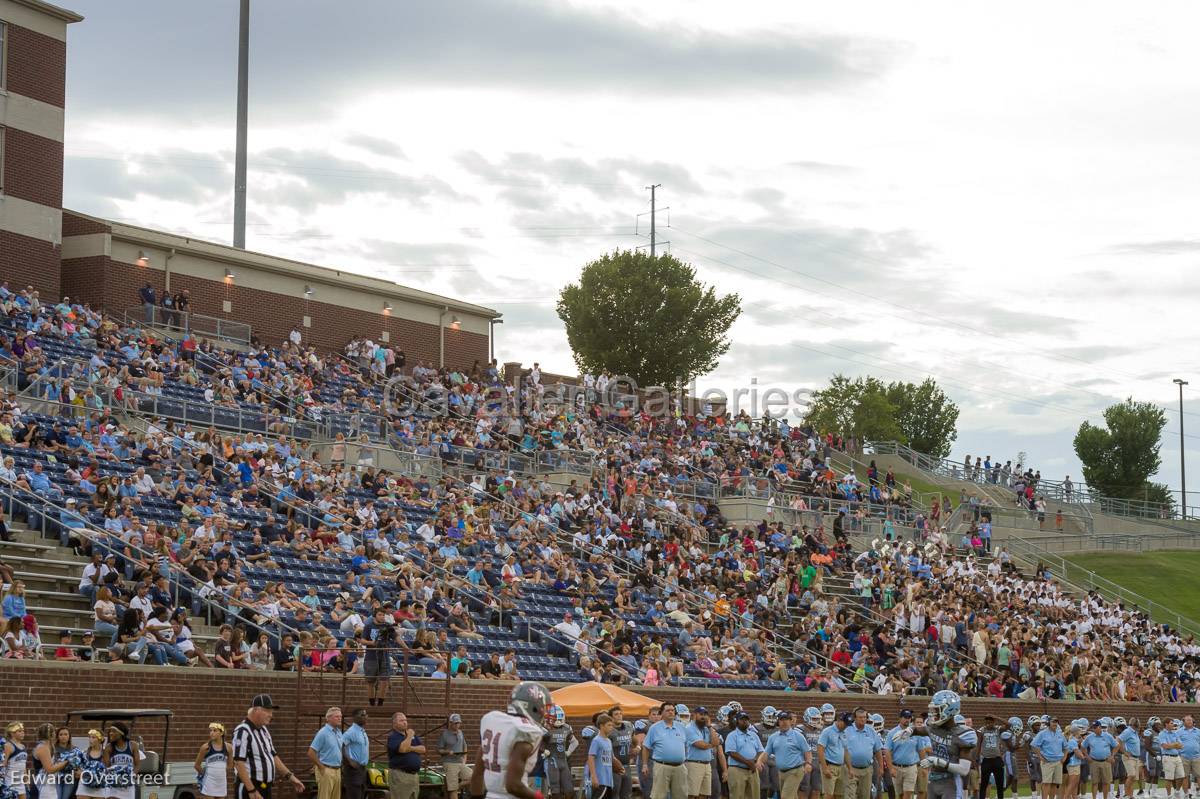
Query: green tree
x,y
647,318
1118,459
927,418
858,408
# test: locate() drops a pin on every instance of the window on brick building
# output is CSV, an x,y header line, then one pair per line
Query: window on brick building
x,y
2,132
3,55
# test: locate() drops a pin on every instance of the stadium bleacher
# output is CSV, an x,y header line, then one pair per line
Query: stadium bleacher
x,y
212,448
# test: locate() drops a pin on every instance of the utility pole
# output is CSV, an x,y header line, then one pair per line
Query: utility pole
x,y
1182,459
239,164
652,209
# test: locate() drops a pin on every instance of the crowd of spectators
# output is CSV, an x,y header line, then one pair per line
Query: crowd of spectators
x,y
652,583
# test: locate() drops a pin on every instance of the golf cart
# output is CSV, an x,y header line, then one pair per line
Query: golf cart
x,y
155,779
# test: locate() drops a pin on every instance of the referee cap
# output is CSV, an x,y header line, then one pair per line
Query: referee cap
x,y
263,701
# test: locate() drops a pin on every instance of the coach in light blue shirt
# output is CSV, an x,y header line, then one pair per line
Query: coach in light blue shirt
x,y
788,746
1050,743
831,743
325,751
1130,742
1099,745
1189,736
666,741
901,744
862,742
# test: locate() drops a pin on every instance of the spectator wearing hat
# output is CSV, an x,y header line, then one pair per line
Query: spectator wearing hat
x,y
831,756
746,756
663,752
356,756
254,757
452,746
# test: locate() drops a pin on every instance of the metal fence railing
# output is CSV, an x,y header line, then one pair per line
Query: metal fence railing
x,y
1083,579
184,322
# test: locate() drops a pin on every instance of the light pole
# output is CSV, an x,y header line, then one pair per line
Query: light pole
x,y
1182,458
492,338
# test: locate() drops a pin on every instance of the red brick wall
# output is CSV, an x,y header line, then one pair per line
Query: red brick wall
x,y
33,168
84,279
74,225
37,66
36,693
113,285
26,261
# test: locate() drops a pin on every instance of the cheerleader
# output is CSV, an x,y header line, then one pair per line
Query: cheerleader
x,y
212,764
121,761
47,771
15,759
67,752
91,767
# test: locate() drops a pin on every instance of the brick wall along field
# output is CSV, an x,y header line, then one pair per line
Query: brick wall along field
x,y
37,693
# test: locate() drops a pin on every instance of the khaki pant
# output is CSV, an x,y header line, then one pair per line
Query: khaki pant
x,y
668,779
1051,773
329,782
1101,772
743,783
699,778
1172,767
922,781
858,782
833,781
1133,766
402,785
789,782
1191,768
906,778
457,775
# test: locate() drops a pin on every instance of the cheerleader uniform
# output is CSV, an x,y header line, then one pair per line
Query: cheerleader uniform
x,y
14,770
214,775
91,778
120,773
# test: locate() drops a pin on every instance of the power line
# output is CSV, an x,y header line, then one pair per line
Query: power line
x,y
1004,369
899,306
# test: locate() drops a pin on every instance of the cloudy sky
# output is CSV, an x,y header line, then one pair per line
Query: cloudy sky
x,y
1002,197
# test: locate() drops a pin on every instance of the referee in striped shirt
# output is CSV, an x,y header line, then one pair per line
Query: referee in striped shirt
x,y
254,757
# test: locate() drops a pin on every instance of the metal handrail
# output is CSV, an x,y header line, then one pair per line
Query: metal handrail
x,y
190,322
1031,553
99,537
631,567
1080,494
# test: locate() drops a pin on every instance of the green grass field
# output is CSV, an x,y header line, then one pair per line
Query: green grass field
x,y
1167,577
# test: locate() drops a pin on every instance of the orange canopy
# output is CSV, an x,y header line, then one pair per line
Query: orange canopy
x,y
586,698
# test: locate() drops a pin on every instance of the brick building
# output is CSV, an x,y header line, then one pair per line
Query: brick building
x,y
104,263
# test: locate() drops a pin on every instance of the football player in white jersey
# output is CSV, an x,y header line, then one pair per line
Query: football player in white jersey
x,y
508,744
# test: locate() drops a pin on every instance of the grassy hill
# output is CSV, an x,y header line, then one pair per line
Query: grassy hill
x,y
1167,577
